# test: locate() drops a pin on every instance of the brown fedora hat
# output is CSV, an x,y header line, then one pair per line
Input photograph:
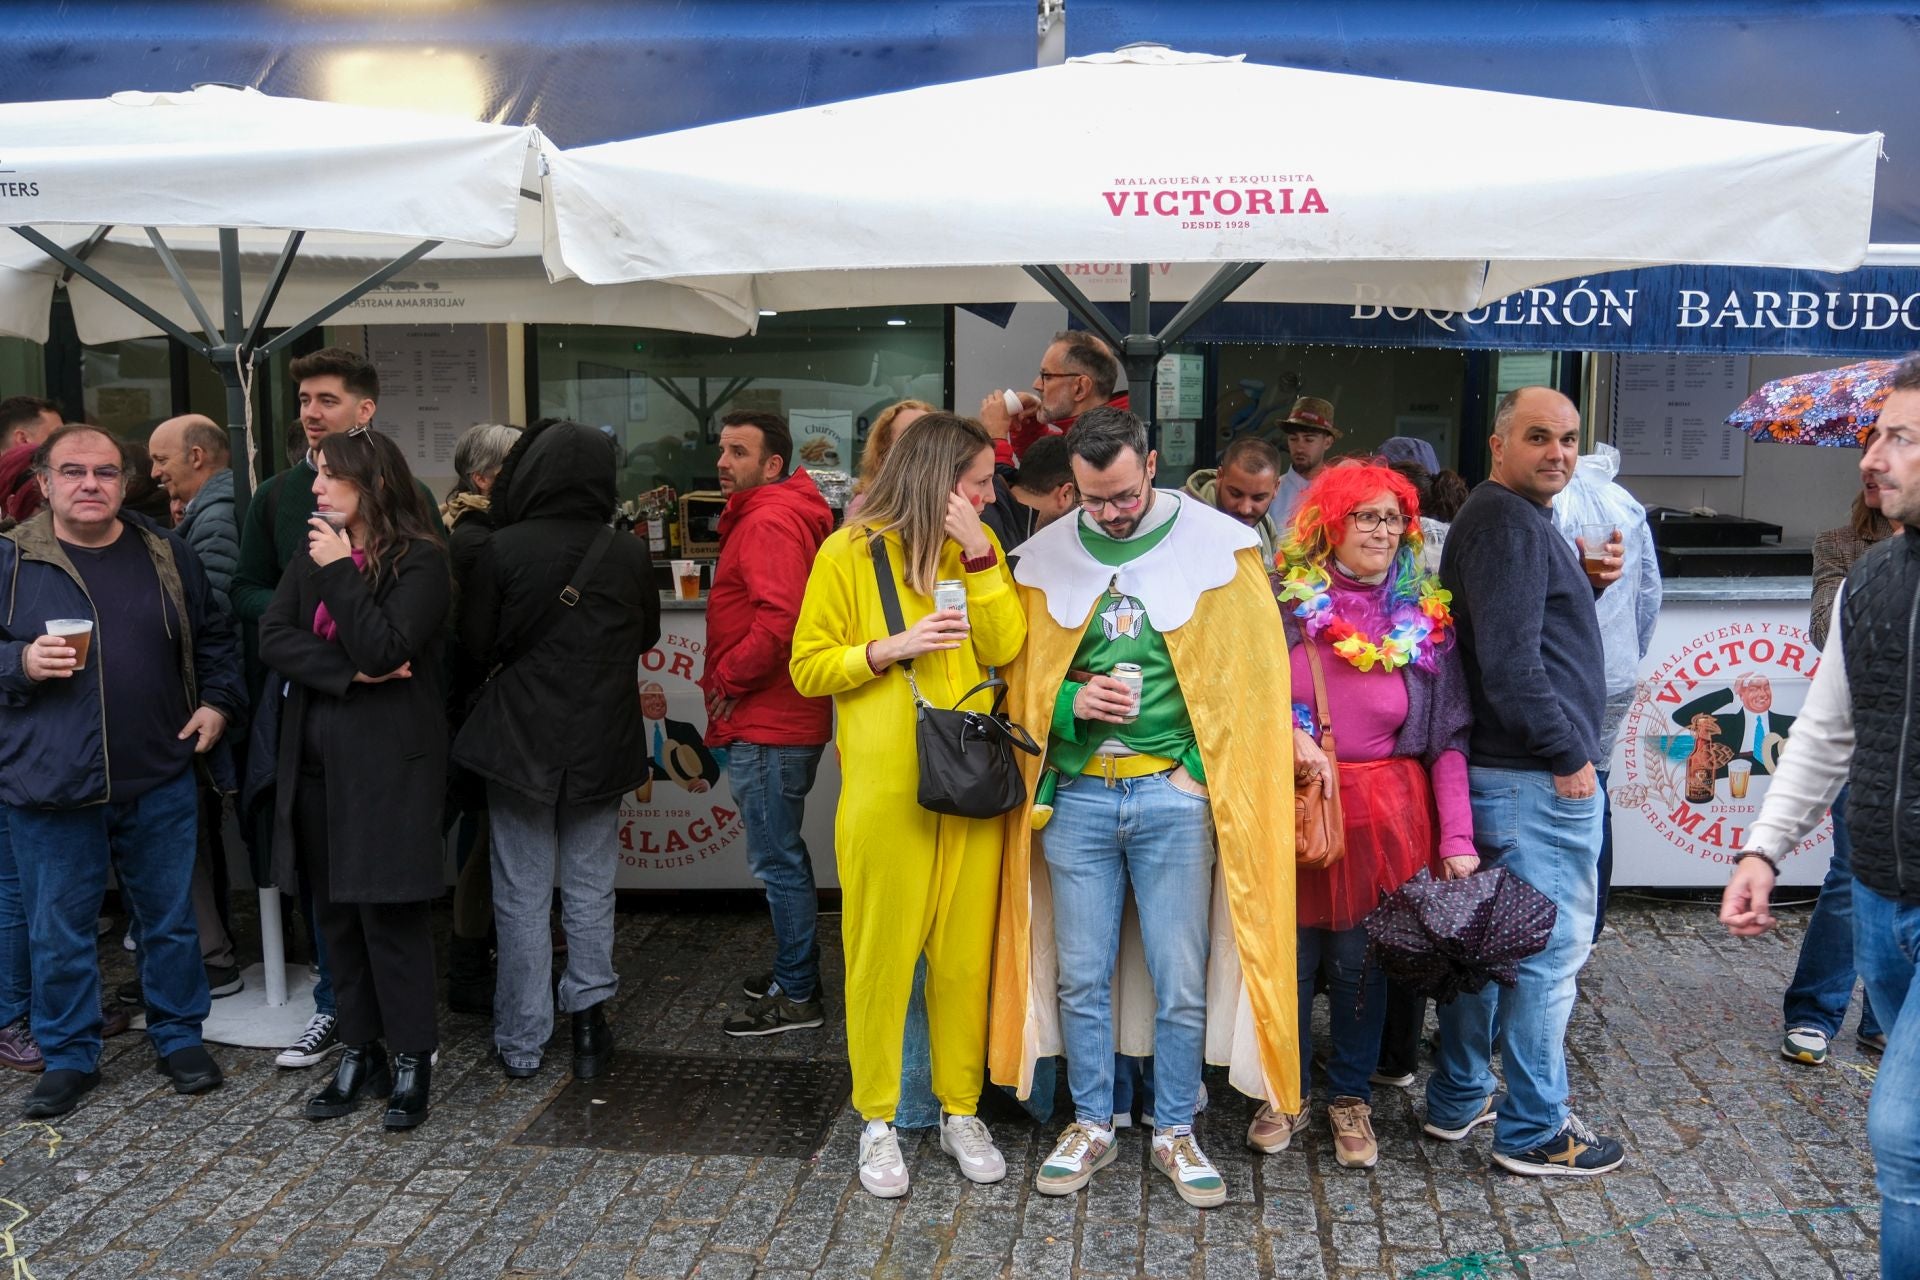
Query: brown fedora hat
x,y
1311,413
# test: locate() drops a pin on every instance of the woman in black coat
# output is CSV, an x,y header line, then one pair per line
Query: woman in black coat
x,y
356,630
557,733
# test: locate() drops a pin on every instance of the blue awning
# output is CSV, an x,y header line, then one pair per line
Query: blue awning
x,y
1871,312
585,71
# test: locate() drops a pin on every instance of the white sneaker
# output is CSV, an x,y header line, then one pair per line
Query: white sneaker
x,y
966,1139
315,1043
1176,1154
882,1172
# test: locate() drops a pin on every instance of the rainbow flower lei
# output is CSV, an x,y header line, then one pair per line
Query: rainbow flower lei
x,y
1416,625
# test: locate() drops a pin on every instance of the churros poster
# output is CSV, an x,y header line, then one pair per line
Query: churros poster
x,y
822,438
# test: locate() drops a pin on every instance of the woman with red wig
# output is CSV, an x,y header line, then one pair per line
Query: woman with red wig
x,y
1356,595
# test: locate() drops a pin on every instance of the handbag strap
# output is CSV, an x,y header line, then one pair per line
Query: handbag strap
x,y
569,596
1320,696
890,606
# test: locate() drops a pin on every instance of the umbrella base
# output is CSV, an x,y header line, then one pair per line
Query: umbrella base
x,y
245,1019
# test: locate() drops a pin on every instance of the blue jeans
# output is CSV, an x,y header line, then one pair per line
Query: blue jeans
x,y
1161,838
1606,853
771,784
151,842
1886,946
16,971
1521,823
324,1000
1823,979
1356,1005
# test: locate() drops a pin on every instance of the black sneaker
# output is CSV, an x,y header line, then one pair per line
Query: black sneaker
x,y
758,986
224,980
130,993
1576,1152
775,1013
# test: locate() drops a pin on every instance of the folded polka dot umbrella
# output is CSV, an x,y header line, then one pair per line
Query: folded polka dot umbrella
x,y
1439,938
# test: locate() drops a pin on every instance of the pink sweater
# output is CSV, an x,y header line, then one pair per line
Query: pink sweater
x,y
1368,708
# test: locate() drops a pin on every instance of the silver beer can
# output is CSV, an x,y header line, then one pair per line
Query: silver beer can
x,y
950,593
1129,674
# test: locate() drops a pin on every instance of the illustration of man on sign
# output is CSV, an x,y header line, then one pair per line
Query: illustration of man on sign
x,y
1753,735
678,754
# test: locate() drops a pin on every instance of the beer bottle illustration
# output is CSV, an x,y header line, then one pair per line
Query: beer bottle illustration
x,y
1704,760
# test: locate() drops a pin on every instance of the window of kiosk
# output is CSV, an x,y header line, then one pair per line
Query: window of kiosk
x,y
662,395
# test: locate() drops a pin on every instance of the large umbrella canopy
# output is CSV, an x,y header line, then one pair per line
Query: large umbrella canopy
x,y
1829,406
1347,188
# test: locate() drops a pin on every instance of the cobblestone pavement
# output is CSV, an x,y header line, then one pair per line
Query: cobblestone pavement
x,y
1738,1163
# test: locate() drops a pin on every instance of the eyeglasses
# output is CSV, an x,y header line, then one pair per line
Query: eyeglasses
x,y
1368,521
361,430
1044,375
1123,504
74,473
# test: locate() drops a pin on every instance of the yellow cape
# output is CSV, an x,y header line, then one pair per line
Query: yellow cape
x,y
1231,657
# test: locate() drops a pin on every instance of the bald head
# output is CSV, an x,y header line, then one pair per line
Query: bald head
x,y
1530,403
187,451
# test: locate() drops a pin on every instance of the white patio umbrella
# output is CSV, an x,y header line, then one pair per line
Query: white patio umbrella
x,y
161,204
1204,176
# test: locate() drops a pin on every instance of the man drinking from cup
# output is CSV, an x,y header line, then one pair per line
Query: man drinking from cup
x,y
115,672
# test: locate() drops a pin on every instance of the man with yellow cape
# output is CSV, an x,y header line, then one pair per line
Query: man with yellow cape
x,y
1142,792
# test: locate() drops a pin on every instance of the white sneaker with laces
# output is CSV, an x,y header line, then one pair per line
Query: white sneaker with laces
x,y
882,1170
316,1042
1176,1154
966,1139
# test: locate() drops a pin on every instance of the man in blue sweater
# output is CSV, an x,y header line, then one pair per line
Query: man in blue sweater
x,y
1530,638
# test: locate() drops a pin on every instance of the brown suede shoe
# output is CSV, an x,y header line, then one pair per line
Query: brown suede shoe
x,y
1354,1145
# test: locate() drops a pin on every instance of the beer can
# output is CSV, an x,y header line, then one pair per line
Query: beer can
x,y
950,593
1129,674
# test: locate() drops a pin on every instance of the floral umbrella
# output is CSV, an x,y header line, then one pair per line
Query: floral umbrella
x,y
1832,407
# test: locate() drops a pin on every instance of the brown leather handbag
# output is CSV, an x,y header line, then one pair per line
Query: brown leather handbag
x,y
1319,831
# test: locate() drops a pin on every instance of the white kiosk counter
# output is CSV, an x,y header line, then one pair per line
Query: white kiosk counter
x,y
1735,651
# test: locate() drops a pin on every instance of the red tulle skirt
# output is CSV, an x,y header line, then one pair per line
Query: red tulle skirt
x,y
1387,806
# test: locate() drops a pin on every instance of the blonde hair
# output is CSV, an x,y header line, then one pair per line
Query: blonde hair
x,y
909,495
880,439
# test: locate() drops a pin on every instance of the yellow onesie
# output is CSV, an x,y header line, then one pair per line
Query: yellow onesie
x,y
910,880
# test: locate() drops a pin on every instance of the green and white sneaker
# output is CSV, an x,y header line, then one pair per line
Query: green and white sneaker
x,y
1176,1154
1804,1044
1081,1152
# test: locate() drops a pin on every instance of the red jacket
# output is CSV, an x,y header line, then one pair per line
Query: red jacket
x,y
768,536
1026,430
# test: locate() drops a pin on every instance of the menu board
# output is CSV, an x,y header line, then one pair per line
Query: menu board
x,y
433,386
1670,414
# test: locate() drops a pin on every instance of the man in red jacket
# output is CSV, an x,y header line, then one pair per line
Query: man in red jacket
x,y
1078,372
769,532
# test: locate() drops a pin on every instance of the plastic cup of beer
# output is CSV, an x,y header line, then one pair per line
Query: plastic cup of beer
x,y
686,580
77,632
336,520
1739,773
1595,537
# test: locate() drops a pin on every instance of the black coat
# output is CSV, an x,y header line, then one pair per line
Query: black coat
x,y
386,746
561,720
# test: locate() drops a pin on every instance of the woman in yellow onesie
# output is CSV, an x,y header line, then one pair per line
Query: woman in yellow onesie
x,y
912,880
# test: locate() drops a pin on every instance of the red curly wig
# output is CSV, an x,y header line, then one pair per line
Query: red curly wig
x,y
1318,522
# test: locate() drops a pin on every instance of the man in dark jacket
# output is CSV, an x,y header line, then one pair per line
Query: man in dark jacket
x,y
771,528
1530,641
1856,728
557,731
97,744
190,459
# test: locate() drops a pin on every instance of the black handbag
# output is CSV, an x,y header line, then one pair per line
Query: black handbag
x,y
967,766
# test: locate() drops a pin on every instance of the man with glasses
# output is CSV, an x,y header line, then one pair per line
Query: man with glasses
x,y
1530,639
115,672
1155,586
1077,373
